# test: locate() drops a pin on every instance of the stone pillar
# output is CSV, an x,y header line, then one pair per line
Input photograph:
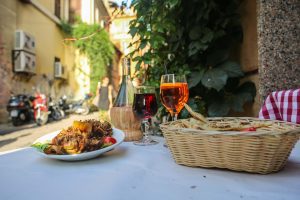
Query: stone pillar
x,y
278,25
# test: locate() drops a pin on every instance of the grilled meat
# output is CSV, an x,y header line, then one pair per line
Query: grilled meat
x,y
83,136
100,128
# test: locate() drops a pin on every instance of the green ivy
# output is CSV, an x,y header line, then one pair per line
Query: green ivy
x,y
194,38
97,47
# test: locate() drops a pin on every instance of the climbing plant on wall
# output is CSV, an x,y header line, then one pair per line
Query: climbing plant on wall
x,y
195,38
94,42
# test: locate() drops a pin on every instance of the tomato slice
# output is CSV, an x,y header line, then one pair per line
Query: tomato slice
x,y
249,129
110,140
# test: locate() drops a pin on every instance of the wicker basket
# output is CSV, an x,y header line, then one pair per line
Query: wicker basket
x,y
263,151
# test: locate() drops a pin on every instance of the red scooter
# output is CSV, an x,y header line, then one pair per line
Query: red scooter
x,y
40,109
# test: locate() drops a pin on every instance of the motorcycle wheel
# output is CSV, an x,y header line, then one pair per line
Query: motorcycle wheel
x,y
21,119
62,113
42,119
84,110
16,121
56,115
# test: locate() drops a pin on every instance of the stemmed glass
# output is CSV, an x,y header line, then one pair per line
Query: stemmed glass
x,y
174,93
144,107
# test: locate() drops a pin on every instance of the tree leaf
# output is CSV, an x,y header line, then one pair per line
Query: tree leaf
x,y
138,65
194,47
195,33
237,102
173,3
195,77
218,109
207,37
141,19
232,84
247,87
214,78
232,69
245,93
217,56
137,58
133,31
143,44
147,62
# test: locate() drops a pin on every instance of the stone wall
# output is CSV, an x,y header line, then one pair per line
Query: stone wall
x,y
278,45
5,72
7,27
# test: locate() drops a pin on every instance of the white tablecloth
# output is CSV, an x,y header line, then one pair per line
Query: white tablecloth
x,y
135,172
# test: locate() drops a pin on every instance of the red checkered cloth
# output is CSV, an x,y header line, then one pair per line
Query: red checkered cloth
x,y
282,105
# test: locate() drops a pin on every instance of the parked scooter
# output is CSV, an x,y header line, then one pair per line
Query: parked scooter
x,y
40,109
56,113
20,109
78,107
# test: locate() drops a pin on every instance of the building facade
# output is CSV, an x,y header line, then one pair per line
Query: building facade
x,y
56,68
119,29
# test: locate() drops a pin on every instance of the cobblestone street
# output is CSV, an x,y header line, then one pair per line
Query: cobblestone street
x,y
25,137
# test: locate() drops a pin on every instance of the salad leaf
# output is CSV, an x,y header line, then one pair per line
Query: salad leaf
x,y
41,146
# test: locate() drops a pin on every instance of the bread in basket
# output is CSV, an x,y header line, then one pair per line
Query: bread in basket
x,y
235,143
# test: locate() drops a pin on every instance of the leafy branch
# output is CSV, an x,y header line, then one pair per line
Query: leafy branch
x,y
195,38
94,42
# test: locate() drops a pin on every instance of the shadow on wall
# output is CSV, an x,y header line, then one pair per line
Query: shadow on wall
x,y
23,84
41,83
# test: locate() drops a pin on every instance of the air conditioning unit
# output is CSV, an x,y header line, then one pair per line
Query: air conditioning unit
x,y
59,70
24,62
24,41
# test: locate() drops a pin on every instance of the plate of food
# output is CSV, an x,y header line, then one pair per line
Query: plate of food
x,y
81,141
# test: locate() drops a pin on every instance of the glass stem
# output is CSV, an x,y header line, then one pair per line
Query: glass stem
x,y
145,128
175,115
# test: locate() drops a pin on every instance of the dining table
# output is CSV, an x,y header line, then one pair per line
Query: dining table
x,y
138,173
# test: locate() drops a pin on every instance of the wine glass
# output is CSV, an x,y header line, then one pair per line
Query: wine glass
x,y
144,107
174,93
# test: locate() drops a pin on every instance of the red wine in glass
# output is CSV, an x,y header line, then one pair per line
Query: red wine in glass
x,y
144,105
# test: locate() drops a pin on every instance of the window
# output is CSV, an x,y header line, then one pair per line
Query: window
x,y
57,8
56,59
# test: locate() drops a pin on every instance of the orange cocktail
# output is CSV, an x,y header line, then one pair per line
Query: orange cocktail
x,y
174,96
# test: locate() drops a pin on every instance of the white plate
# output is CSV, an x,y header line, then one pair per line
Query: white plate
x,y
117,134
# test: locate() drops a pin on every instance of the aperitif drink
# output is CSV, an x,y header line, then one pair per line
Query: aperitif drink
x,y
174,96
174,93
